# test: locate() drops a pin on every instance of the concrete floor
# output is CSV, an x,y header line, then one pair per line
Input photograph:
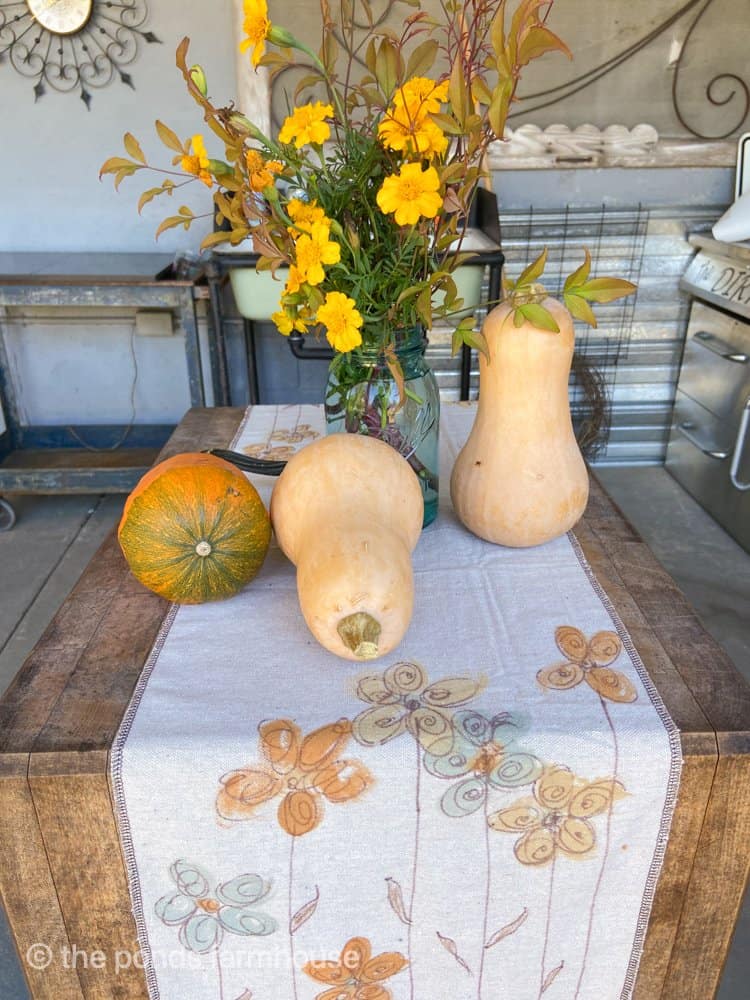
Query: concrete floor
x,y
54,539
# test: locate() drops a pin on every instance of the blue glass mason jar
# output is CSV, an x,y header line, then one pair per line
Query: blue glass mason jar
x,y
362,397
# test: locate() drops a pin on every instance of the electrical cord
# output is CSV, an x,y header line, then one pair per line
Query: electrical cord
x,y
126,433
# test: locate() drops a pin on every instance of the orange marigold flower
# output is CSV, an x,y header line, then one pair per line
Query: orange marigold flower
x,y
342,321
307,125
407,125
357,975
588,660
556,818
302,771
304,214
294,281
261,172
314,250
256,27
404,131
426,92
197,162
286,321
411,194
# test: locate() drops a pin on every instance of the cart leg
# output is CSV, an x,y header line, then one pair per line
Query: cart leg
x,y
7,515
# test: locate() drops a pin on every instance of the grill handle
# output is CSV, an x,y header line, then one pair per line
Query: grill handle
x,y
721,347
739,447
686,428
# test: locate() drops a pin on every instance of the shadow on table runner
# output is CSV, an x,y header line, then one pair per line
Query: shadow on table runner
x,y
482,812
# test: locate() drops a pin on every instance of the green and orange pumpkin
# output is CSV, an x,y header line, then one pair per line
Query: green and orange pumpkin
x,y
194,529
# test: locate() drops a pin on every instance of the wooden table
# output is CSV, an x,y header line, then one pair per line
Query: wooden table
x,y
61,872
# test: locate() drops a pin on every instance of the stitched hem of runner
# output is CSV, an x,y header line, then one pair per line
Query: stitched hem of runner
x,y
121,811
675,771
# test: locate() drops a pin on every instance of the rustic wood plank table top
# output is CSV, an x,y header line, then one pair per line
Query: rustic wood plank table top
x,y
62,876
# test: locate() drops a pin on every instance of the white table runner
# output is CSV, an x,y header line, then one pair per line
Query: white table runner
x,y
481,814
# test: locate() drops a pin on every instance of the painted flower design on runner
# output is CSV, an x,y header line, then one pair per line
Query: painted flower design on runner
x,y
404,700
279,453
588,660
282,444
203,914
357,975
303,771
556,819
481,757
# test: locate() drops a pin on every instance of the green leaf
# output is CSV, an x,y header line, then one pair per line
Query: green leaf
x,y
124,172
424,306
133,148
579,276
149,195
480,92
533,271
169,138
422,59
499,108
605,289
458,93
171,223
497,31
214,239
388,67
579,308
518,318
539,317
448,124
537,42
116,163
457,341
476,340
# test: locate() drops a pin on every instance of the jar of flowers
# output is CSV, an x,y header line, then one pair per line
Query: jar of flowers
x,y
359,203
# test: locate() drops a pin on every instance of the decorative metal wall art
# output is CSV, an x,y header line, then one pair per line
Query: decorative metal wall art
x,y
724,90
72,45
683,67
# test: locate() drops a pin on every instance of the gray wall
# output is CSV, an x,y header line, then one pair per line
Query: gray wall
x,y
50,195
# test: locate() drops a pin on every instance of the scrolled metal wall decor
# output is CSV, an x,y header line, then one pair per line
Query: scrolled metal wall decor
x,y
741,92
73,45
725,90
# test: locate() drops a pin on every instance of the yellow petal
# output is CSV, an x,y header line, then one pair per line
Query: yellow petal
x,y
595,797
611,684
523,815
571,642
537,847
555,788
604,648
576,836
561,676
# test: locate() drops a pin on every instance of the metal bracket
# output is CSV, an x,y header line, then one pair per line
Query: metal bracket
x,y
686,429
739,447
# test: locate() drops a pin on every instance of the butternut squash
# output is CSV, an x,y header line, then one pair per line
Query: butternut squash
x,y
347,510
520,479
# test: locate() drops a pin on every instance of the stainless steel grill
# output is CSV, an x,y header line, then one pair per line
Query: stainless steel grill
x,y
709,444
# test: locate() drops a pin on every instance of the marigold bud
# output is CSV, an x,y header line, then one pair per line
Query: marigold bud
x,y
199,79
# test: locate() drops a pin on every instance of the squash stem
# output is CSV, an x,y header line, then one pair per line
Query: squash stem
x,y
360,633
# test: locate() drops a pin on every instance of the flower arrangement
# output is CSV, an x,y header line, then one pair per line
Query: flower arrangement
x,y
358,206
362,197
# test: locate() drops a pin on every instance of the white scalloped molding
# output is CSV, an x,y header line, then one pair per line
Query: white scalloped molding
x,y
529,147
